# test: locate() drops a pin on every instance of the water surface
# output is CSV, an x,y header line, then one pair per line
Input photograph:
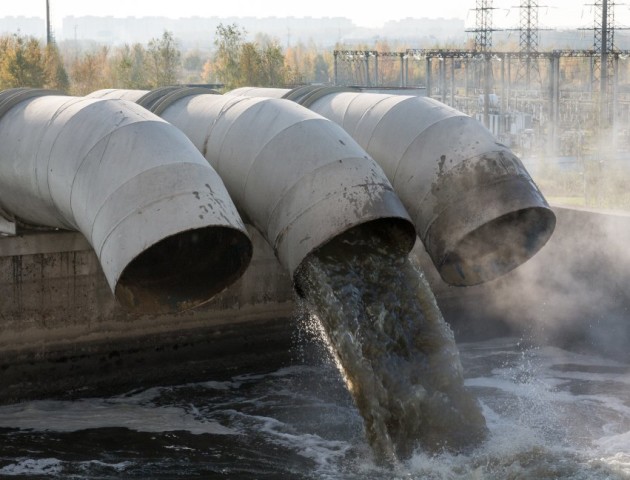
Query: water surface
x,y
551,414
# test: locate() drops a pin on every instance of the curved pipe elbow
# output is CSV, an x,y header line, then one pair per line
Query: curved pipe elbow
x,y
299,178
477,210
157,215
475,206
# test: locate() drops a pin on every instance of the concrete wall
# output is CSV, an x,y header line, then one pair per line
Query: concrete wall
x,y
62,331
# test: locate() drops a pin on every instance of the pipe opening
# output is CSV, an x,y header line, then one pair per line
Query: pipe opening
x,y
398,234
497,246
184,270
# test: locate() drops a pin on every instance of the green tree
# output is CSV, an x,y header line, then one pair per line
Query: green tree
x,y
55,72
305,64
251,66
129,67
226,64
273,69
90,72
193,66
237,63
321,70
21,62
192,61
163,60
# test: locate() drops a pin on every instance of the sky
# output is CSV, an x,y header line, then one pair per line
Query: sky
x,y
556,13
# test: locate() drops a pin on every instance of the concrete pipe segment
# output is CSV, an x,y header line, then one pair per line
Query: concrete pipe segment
x,y
159,218
300,179
474,205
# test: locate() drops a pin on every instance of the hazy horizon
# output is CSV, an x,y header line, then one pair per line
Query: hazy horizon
x,y
555,13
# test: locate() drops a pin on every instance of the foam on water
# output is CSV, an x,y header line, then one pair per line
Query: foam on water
x,y
30,467
549,413
130,412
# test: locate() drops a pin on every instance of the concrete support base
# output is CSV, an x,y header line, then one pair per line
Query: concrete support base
x,y
62,333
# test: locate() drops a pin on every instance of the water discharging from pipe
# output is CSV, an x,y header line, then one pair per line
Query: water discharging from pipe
x,y
396,353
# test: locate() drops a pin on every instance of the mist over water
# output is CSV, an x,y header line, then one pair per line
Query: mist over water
x,y
395,351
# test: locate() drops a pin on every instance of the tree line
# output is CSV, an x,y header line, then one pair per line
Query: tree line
x,y
235,62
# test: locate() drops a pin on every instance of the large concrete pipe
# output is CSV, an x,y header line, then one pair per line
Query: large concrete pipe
x,y
474,205
157,215
296,176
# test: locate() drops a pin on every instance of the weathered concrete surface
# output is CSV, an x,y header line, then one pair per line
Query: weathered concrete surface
x,y
59,320
574,293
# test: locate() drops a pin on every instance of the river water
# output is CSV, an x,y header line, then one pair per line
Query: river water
x,y
551,414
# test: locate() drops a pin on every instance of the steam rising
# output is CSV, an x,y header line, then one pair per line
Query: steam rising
x,y
573,293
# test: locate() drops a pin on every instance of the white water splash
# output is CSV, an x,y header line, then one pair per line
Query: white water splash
x,y
72,416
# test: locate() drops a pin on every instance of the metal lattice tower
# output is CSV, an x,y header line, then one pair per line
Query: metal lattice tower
x,y
528,37
604,48
604,30
483,26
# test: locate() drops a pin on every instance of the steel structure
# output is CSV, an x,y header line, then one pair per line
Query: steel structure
x,y
604,44
359,61
528,39
364,65
482,62
604,62
492,102
483,25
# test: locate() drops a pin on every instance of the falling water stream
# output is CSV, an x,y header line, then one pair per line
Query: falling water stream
x,y
394,350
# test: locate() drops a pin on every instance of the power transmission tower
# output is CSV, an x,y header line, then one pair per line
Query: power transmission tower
x,y
528,39
605,57
483,45
483,26
604,40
